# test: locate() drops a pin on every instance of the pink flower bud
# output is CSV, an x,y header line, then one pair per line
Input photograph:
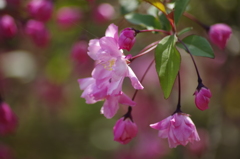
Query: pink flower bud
x,y
37,32
219,34
8,27
202,98
68,17
103,13
178,128
40,9
79,52
124,130
127,39
8,120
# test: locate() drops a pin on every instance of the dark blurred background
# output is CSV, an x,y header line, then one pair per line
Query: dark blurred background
x,y
41,61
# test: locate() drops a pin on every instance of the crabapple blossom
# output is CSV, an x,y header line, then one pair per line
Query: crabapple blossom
x,y
40,9
93,94
108,75
124,130
219,34
178,128
8,120
202,97
8,27
127,38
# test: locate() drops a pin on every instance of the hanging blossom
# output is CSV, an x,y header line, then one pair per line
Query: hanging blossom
x,y
107,77
178,128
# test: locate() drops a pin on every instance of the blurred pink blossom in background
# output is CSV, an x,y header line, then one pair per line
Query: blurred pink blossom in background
x,y
104,12
8,27
40,9
37,31
79,52
8,120
68,16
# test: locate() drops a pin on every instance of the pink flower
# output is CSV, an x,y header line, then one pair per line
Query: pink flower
x,y
202,98
8,120
219,34
178,128
108,75
127,39
124,130
68,17
92,93
37,32
8,27
40,9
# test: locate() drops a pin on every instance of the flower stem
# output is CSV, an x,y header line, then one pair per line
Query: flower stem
x,y
156,30
146,50
128,114
189,16
199,78
178,109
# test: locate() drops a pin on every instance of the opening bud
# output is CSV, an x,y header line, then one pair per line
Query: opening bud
x,y
127,38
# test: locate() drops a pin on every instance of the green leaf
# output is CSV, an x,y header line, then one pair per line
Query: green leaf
x,y
198,46
165,25
180,6
184,31
158,4
144,20
168,61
